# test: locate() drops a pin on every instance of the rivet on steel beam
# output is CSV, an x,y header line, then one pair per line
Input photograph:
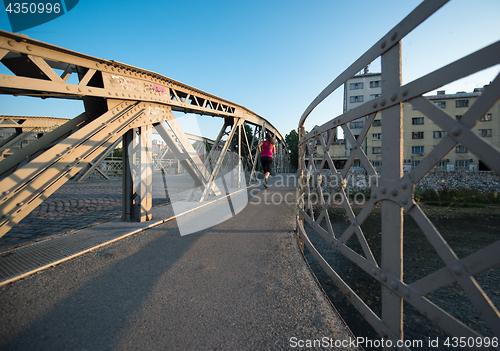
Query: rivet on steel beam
x,y
374,271
68,87
384,43
382,102
456,131
457,270
374,105
28,48
374,181
97,65
404,185
5,192
394,191
383,189
374,196
405,92
394,96
116,94
11,43
394,36
394,285
404,200
20,204
383,276
109,93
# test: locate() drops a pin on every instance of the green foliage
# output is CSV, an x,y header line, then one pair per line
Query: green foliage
x,y
117,152
292,143
461,197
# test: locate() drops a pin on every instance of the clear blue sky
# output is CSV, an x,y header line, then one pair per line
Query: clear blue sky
x,y
273,57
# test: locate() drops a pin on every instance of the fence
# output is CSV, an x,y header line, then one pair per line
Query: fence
x,y
392,192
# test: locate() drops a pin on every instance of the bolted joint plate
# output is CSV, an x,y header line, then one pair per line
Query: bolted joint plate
x,y
398,191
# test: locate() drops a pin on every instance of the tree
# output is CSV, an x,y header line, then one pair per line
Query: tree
x,y
292,143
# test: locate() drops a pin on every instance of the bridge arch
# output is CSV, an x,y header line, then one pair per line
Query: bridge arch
x,y
120,101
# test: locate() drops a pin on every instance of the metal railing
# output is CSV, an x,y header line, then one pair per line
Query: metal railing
x,y
393,191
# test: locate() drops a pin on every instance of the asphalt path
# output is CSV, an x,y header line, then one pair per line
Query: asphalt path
x,y
240,285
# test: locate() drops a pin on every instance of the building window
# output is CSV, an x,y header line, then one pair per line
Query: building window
x,y
485,132
439,134
377,163
418,120
374,96
375,84
377,123
441,104
417,135
415,163
457,117
486,118
376,150
442,163
417,149
413,108
356,125
462,163
355,86
462,103
460,149
358,98
377,136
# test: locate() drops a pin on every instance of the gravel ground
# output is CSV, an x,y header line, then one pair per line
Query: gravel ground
x,y
466,230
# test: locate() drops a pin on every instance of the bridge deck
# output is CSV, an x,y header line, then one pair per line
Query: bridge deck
x,y
241,284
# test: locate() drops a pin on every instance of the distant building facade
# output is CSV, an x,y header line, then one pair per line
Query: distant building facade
x,y
421,135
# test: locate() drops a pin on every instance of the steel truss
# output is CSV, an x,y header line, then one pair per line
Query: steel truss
x,y
394,191
119,101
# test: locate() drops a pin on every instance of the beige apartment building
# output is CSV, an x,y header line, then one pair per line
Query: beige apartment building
x,y
421,135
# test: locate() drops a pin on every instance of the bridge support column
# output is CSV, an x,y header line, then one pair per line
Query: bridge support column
x,y
137,175
392,213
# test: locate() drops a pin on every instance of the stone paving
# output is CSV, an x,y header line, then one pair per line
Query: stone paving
x,y
79,205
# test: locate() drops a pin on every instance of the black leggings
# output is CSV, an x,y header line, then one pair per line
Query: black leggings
x,y
267,163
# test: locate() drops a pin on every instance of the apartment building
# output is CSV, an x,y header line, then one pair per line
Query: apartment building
x,y
421,135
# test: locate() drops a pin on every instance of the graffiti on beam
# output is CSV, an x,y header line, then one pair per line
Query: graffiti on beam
x,y
156,113
155,89
126,83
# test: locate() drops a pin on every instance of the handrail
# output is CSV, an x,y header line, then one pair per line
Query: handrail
x,y
393,191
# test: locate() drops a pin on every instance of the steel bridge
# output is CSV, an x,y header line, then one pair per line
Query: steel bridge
x,y
121,102
393,191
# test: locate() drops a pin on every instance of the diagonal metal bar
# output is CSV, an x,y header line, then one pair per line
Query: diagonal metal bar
x,y
415,18
215,172
474,263
475,293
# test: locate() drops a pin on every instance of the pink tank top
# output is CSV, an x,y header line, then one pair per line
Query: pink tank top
x,y
267,149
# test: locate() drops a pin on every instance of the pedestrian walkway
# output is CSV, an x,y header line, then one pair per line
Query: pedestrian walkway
x,y
239,285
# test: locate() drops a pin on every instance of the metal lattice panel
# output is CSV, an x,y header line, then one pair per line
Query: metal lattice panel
x,y
393,190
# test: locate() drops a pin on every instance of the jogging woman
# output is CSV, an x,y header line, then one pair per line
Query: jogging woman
x,y
266,149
